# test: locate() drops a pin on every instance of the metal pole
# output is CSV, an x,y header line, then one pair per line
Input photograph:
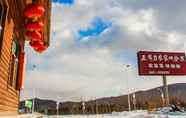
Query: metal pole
x,y
97,110
33,105
83,107
162,96
129,106
57,108
165,91
134,100
33,101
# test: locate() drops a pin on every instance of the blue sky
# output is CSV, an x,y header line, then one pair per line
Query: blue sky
x,y
98,26
70,2
91,41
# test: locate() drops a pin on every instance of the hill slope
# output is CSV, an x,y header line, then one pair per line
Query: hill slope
x,y
177,92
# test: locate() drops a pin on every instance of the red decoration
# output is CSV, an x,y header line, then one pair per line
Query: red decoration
x,y
34,11
34,26
40,49
34,36
36,44
161,63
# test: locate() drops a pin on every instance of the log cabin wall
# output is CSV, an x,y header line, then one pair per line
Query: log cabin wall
x,y
11,45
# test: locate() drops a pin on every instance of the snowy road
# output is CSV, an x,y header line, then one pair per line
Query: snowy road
x,y
138,114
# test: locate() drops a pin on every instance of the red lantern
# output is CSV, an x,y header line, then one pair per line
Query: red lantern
x,y
36,44
40,49
34,36
34,26
34,11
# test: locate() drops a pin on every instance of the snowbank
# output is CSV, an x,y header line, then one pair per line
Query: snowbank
x,y
133,114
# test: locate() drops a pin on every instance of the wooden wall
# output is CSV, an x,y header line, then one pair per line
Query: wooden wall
x,y
9,97
14,25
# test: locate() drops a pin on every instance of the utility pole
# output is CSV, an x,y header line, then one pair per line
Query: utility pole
x,y
128,92
57,108
162,96
134,100
33,101
83,107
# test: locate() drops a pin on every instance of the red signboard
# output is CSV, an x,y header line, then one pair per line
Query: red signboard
x,y
161,63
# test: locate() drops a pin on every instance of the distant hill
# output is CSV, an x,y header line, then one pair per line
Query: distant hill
x,y
144,99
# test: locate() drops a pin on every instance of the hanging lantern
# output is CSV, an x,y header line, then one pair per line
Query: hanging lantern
x,y
34,36
36,44
34,26
40,49
34,11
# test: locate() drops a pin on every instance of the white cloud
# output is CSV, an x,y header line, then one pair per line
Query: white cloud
x,y
85,75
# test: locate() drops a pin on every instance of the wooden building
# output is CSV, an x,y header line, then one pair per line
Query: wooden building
x,y
12,41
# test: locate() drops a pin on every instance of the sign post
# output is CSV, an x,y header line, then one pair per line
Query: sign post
x,y
162,64
165,91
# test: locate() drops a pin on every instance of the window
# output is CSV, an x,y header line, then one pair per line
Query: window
x,y
14,64
3,10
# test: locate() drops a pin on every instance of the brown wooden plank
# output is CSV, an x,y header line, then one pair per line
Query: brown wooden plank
x,y
8,93
3,74
7,108
5,62
3,82
9,101
5,56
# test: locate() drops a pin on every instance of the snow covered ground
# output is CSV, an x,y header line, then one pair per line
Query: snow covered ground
x,y
134,114
21,116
